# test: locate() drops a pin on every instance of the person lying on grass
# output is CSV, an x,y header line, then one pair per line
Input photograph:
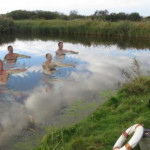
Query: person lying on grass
x,y
49,66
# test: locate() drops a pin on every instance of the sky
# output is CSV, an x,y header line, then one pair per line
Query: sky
x,y
83,7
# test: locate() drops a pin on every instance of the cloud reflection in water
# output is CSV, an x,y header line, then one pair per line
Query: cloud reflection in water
x,y
45,97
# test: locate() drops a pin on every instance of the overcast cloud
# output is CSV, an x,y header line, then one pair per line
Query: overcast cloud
x,y
85,7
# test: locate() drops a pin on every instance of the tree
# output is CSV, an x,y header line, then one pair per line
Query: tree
x,y
112,17
20,14
121,16
134,17
100,14
73,13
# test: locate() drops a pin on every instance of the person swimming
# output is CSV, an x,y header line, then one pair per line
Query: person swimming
x,y
62,51
49,66
4,74
11,57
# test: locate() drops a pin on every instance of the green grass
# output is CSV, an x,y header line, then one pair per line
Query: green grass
x,y
103,127
84,27
76,27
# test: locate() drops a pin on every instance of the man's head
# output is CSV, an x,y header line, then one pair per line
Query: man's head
x,y
49,56
60,45
1,65
10,49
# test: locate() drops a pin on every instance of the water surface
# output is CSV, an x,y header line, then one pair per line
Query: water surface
x,y
47,98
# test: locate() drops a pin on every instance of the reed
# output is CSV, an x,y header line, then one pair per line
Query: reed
x,y
84,27
6,25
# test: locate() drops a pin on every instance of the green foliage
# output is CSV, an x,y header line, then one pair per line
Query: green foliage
x,y
105,16
138,85
134,17
99,14
6,25
23,14
84,27
20,14
48,24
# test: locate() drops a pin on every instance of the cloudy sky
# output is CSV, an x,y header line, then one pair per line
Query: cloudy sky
x,y
85,7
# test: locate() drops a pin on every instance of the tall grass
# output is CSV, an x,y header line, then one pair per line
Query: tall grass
x,y
6,25
84,27
136,82
102,128
76,27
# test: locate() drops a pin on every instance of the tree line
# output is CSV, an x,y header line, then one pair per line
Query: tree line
x,y
103,15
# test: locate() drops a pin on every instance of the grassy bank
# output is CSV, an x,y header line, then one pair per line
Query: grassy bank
x,y
76,27
84,27
102,128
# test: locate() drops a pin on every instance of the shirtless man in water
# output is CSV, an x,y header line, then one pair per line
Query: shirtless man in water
x,y
4,74
12,57
62,51
49,66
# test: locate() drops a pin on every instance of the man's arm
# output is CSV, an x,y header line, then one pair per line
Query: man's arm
x,y
57,53
16,71
64,65
23,56
5,58
71,51
4,78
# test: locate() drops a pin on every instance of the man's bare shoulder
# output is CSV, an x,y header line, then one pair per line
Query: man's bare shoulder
x,y
6,55
44,63
65,51
16,54
57,51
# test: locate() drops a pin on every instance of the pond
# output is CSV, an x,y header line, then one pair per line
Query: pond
x,y
31,100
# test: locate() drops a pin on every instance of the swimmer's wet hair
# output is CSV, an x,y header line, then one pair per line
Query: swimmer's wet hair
x,y
60,42
47,54
9,46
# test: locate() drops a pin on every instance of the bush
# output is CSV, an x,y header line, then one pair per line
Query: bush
x,y
6,25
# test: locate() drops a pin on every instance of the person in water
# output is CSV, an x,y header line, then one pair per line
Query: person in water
x,y
49,66
4,74
11,57
62,51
